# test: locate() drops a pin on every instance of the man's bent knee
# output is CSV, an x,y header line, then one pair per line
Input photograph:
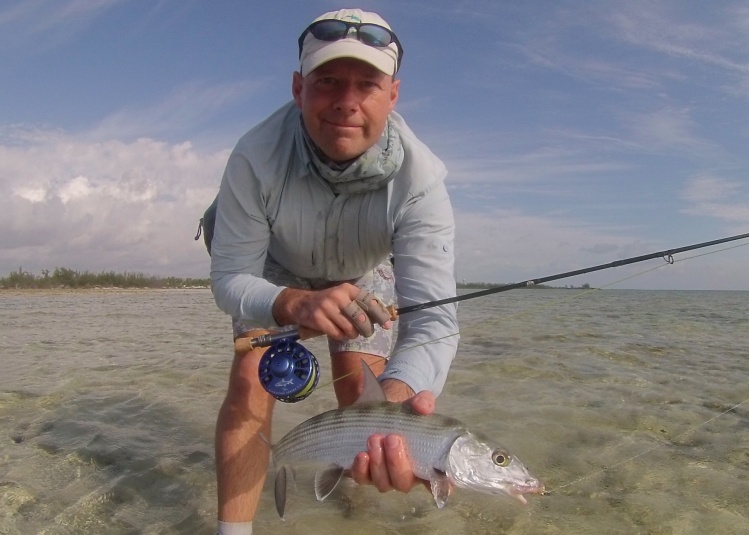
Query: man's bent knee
x,y
245,391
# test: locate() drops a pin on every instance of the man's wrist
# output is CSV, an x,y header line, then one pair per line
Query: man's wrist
x,y
396,390
283,305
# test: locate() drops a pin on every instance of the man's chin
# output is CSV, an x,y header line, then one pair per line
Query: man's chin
x,y
344,152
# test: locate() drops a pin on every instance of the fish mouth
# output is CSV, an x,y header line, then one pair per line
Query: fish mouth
x,y
534,487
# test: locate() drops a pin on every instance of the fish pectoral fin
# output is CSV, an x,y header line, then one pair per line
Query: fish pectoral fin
x,y
326,480
440,485
280,489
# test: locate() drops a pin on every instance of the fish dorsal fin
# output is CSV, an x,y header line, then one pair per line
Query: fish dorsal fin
x,y
327,480
372,390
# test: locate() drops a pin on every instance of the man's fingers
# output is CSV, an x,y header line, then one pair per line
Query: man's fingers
x,y
378,468
360,320
360,469
399,469
423,402
385,465
373,307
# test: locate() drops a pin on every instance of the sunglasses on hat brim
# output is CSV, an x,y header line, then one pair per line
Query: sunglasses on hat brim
x,y
370,34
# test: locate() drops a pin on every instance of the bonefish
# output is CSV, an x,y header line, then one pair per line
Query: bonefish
x,y
441,449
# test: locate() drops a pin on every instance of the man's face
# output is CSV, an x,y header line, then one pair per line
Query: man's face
x,y
345,103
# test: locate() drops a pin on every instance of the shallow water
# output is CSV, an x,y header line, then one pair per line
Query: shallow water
x,y
622,402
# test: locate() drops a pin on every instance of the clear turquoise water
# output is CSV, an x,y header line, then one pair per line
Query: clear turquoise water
x,y
623,402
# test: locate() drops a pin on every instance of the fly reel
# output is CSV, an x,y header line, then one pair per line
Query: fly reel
x,y
288,371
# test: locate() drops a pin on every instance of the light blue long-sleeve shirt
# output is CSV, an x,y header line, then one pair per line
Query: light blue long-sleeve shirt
x,y
270,203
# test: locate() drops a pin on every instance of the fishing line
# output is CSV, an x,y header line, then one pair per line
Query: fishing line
x,y
667,256
292,373
669,442
668,261
246,344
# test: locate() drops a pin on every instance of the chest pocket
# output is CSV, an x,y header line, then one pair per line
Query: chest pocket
x,y
359,236
319,235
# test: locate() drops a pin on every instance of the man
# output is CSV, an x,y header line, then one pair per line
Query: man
x,y
331,195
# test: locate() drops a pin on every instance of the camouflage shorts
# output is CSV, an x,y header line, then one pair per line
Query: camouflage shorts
x,y
380,281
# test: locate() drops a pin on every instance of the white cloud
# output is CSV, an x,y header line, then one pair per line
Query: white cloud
x,y
509,246
706,188
668,129
47,23
186,108
68,202
719,198
33,195
79,187
662,29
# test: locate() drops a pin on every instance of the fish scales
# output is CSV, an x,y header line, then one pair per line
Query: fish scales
x,y
440,449
337,436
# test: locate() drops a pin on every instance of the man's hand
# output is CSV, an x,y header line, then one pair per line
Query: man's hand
x,y
385,464
333,311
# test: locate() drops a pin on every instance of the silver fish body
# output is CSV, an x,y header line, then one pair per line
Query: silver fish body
x,y
441,450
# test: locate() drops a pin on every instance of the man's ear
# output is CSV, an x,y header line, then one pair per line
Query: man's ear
x,y
297,83
394,93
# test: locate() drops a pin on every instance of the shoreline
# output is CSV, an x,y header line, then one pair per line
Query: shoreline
x,y
115,290
93,290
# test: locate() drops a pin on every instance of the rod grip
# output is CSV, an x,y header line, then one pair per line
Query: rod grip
x,y
305,333
244,345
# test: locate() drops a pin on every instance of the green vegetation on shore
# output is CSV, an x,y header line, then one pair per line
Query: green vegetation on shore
x,y
68,278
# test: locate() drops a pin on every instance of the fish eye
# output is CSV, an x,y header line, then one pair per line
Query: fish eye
x,y
501,458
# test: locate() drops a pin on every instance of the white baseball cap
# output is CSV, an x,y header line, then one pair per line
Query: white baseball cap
x,y
355,38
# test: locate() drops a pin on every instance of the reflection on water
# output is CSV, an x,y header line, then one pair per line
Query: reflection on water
x,y
622,402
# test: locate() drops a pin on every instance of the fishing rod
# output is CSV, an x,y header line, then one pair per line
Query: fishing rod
x,y
667,255
297,370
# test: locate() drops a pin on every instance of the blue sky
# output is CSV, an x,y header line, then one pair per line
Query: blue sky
x,y
575,133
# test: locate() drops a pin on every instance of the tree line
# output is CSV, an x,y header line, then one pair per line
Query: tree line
x,y
70,278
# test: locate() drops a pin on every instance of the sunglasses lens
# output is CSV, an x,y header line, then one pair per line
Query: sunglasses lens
x,y
329,30
373,35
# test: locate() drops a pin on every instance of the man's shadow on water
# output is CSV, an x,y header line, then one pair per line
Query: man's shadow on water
x,y
117,464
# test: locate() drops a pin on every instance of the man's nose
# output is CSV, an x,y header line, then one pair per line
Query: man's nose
x,y
347,98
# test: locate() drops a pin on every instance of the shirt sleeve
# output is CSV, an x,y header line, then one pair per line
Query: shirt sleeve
x,y
240,245
424,267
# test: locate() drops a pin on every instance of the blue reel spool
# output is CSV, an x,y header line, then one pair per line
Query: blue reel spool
x,y
288,371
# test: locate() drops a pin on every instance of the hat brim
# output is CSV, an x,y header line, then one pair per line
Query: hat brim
x,y
383,59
